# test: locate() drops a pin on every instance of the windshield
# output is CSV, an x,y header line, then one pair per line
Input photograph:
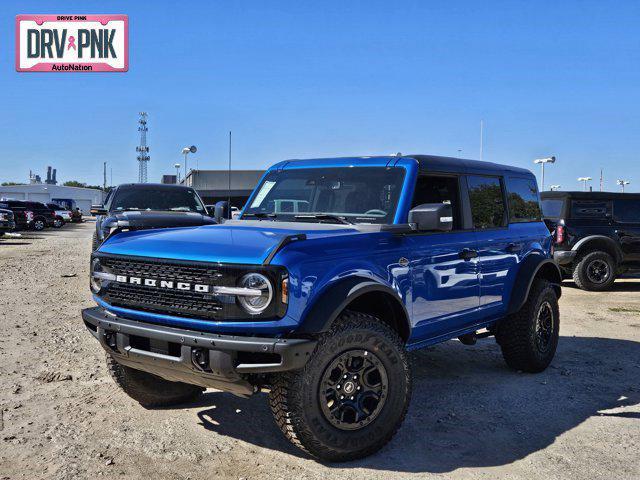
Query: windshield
x,y
334,195
552,208
178,200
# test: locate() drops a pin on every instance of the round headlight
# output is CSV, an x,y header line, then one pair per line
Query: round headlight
x,y
255,304
95,282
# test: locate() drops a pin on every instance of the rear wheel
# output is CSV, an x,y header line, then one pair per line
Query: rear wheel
x,y
595,271
150,390
529,338
58,222
353,394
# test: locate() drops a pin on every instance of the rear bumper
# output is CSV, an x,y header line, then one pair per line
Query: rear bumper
x,y
206,359
564,257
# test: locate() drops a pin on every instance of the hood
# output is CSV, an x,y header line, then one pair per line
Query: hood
x,y
236,241
160,219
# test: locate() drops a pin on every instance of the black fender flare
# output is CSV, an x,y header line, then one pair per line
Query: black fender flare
x,y
335,299
600,238
530,268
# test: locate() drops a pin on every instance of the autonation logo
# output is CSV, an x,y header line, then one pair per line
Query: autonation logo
x,y
72,43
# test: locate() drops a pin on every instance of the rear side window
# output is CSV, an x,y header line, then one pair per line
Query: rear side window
x,y
552,208
487,202
590,208
627,211
524,205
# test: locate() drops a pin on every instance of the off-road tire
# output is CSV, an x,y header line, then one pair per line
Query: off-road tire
x,y
94,242
150,390
295,398
581,276
516,334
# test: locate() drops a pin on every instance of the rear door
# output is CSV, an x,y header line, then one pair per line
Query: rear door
x,y
626,219
444,265
498,249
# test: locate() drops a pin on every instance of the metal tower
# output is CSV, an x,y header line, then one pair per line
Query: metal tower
x,y
143,149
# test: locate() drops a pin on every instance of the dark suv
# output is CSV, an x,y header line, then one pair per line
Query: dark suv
x,y
335,269
29,215
147,205
597,235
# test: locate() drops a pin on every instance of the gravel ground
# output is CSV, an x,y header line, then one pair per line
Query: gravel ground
x,y
470,417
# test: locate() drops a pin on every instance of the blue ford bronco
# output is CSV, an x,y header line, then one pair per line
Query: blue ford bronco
x,y
335,269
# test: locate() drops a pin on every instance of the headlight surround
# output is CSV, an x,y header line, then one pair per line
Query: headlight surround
x,y
255,305
94,281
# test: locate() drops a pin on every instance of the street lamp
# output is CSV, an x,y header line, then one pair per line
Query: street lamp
x,y
553,188
177,167
542,161
584,181
186,151
622,183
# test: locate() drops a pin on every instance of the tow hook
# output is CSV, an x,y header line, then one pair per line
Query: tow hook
x,y
200,359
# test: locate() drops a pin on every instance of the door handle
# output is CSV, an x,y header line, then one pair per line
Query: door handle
x,y
513,248
467,254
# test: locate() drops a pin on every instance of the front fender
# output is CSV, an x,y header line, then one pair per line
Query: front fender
x,y
329,304
531,267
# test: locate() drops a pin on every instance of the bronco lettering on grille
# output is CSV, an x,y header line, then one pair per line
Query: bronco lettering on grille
x,y
169,284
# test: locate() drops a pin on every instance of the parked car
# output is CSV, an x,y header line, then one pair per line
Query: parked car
x,y
76,216
597,235
148,205
7,224
62,215
29,215
320,306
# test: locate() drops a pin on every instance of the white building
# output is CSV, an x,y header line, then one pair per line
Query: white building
x,y
83,198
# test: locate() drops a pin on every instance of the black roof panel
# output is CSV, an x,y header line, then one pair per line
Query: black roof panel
x,y
433,163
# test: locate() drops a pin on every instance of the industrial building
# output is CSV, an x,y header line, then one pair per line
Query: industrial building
x,y
82,198
213,185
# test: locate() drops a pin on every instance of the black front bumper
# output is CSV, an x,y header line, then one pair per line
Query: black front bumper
x,y
206,359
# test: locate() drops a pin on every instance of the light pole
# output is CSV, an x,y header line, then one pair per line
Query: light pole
x,y
177,167
584,181
622,183
186,151
542,162
553,188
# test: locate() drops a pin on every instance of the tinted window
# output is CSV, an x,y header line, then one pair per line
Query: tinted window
x,y
435,189
552,208
149,198
589,208
361,194
626,211
523,200
487,202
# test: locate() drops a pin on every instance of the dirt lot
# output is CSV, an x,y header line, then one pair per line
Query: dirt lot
x,y
470,417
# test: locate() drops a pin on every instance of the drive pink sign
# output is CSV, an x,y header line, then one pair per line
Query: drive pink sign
x,y
72,43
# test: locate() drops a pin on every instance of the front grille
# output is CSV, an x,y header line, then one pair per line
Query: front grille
x,y
182,303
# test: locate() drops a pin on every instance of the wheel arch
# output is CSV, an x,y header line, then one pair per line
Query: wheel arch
x,y
598,242
533,267
361,295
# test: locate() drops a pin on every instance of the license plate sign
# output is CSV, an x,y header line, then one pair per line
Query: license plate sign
x,y
72,43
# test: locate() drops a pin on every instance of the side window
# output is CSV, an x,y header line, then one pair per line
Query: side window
x,y
439,189
590,209
524,205
487,202
626,211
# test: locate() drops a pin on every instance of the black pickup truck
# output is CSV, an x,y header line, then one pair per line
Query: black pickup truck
x,y
6,221
597,235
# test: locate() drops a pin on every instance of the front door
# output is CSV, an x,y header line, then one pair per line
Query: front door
x,y
444,266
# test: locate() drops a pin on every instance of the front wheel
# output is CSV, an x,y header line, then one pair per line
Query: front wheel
x,y
529,338
353,394
39,224
150,390
58,223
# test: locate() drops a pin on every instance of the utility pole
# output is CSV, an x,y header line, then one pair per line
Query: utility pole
x,y
143,149
601,179
104,176
229,175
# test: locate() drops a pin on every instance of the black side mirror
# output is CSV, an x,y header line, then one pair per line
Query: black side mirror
x,y
432,217
98,210
222,211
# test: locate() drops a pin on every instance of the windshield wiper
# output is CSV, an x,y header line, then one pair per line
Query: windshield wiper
x,y
259,215
323,216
